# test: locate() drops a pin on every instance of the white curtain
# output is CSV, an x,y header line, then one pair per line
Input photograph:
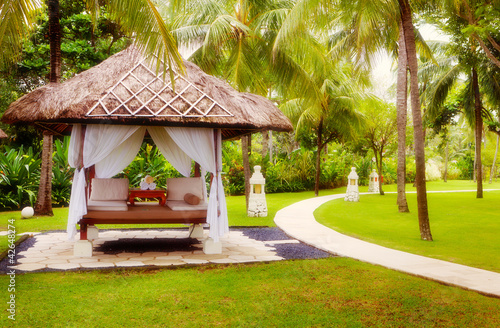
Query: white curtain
x,y
201,144
120,157
170,150
77,204
112,147
75,146
100,141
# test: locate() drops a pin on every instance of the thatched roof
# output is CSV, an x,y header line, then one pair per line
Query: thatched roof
x,y
3,135
124,89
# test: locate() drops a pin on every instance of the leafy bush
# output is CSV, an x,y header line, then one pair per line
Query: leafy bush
x,y
150,161
465,164
62,174
19,177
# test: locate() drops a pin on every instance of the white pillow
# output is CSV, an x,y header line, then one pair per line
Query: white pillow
x,y
178,187
109,189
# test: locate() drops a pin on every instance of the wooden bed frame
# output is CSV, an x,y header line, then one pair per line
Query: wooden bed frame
x,y
141,214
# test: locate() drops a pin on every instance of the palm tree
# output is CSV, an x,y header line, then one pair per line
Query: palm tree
x,y
327,107
44,199
401,103
418,130
138,17
381,11
17,19
232,40
482,80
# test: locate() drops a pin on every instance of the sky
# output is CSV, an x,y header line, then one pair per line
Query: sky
x,y
384,74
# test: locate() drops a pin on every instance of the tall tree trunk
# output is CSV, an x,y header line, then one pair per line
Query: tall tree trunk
x,y
446,150
318,157
265,144
378,159
54,41
418,131
479,133
492,171
402,96
44,198
271,148
246,166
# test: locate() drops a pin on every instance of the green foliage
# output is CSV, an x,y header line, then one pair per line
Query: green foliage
x,y
290,174
232,165
466,165
62,174
149,161
19,176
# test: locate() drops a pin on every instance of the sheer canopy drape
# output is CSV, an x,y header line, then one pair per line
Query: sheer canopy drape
x,y
99,142
112,147
170,150
204,147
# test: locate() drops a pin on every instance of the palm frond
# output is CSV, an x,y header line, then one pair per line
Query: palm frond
x,y
141,19
17,18
436,94
294,23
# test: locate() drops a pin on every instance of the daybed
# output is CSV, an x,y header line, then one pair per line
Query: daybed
x,y
108,205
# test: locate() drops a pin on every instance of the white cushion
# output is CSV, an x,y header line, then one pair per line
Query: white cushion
x,y
109,189
178,187
107,205
180,205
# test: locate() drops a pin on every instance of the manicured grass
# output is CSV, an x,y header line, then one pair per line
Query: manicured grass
x,y
334,292
465,229
235,204
444,186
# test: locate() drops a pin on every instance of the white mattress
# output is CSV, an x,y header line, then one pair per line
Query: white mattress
x,y
180,205
107,205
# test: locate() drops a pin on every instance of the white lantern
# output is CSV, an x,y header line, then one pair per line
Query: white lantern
x,y
27,212
352,193
373,184
257,206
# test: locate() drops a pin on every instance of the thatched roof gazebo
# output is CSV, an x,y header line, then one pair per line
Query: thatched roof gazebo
x,y
124,89
108,109
3,135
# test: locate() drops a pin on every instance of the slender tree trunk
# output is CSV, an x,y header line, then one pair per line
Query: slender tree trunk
x,y
445,178
44,198
402,96
246,166
54,41
378,159
265,144
474,169
478,134
318,158
271,148
418,131
492,172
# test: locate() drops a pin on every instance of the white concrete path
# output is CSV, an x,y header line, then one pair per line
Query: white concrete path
x,y
298,222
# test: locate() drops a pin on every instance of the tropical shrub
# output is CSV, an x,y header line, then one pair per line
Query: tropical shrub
x,y
465,164
19,177
149,161
62,173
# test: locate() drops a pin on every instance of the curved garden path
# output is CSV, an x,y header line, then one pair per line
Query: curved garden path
x,y
298,221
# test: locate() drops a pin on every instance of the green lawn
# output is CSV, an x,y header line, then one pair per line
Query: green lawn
x,y
235,204
334,292
465,229
307,293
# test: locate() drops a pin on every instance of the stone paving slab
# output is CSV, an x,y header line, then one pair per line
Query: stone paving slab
x,y
53,252
298,221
